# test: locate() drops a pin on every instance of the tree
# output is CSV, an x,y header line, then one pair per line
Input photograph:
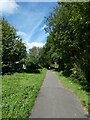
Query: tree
x,y
0,48
68,44
32,60
13,48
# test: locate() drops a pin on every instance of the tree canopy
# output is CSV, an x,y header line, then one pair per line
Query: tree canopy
x,y
68,42
13,49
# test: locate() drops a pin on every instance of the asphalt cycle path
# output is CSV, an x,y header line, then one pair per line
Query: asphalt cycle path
x,y
54,101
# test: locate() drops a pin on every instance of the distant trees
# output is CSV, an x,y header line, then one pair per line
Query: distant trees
x,y
32,61
44,57
68,42
13,50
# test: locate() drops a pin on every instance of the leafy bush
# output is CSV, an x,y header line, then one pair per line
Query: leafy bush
x,y
79,76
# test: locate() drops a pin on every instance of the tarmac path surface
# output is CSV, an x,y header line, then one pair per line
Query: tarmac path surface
x,y
54,101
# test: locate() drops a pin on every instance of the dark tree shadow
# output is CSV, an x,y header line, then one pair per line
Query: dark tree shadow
x,y
32,71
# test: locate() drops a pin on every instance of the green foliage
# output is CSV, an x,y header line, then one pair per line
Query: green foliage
x,y
77,73
13,48
44,58
19,92
68,42
32,60
34,54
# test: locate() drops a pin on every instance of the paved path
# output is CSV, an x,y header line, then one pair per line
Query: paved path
x,y
54,101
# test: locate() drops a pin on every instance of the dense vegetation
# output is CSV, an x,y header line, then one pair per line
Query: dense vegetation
x,y
68,42
13,50
32,61
19,92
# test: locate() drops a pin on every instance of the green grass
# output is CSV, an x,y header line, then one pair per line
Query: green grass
x,y
75,88
19,92
0,96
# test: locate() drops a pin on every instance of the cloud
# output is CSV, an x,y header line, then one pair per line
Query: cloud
x,y
34,44
23,35
25,39
8,6
37,44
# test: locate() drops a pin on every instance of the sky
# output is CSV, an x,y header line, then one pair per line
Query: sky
x,y
28,18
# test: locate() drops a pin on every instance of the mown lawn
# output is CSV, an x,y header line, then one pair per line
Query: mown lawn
x,y
76,89
19,92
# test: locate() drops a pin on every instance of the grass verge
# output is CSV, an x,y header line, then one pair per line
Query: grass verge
x,y
19,92
76,89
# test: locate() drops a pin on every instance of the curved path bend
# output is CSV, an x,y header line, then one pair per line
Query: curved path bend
x,y
54,101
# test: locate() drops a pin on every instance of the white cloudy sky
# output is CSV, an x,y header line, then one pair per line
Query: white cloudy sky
x,y
28,18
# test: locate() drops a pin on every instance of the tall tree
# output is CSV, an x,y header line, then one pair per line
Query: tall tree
x,y
69,29
13,48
